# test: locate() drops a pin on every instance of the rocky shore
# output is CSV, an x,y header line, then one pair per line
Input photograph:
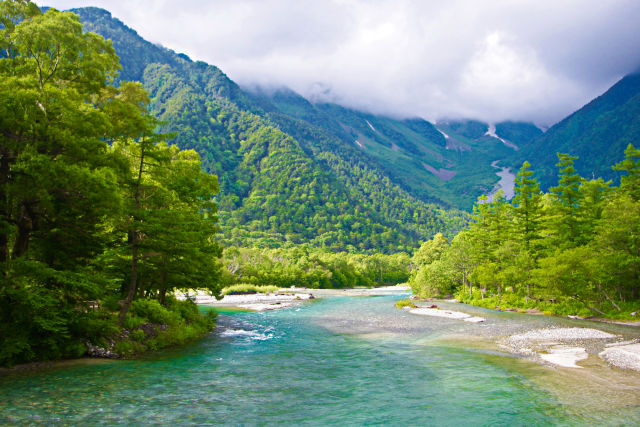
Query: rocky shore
x,y
566,347
255,302
284,298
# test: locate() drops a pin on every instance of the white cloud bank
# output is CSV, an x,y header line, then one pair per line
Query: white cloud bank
x,y
493,60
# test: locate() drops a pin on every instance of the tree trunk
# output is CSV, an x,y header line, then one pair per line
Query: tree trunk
x,y
589,307
21,244
4,247
4,214
126,303
162,294
607,296
134,238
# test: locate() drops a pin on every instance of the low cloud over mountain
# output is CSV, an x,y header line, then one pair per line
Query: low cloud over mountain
x,y
526,60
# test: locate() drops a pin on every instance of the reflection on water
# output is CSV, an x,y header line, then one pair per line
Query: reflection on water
x,y
336,361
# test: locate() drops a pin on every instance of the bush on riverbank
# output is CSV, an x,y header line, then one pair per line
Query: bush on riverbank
x,y
153,326
405,303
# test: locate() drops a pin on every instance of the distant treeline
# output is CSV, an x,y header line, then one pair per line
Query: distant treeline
x,y
305,266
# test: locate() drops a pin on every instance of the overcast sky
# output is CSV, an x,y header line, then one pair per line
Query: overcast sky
x,y
493,60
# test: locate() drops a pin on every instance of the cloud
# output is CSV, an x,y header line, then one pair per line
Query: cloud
x,y
533,60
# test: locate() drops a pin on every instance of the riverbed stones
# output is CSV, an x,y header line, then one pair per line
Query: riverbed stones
x,y
558,346
623,356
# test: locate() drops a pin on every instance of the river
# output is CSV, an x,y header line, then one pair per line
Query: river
x,y
335,361
506,182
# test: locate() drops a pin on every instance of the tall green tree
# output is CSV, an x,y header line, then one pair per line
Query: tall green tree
x,y
567,201
528,216
56,179
630,182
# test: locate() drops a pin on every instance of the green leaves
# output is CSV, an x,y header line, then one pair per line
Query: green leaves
x,y
84,178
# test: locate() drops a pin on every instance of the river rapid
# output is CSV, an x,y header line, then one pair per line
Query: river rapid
x,y
334,361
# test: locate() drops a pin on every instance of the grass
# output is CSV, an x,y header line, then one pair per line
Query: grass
x,y
560,306
405,303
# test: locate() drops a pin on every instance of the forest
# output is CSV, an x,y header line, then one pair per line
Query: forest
x,y
574,250
100,219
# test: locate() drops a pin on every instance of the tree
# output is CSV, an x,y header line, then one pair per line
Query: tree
x,y
617,242
56,179
52,89
527,207
567,201
528,214
430,251
630,183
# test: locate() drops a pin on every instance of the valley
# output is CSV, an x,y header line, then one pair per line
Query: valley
x,y
176,247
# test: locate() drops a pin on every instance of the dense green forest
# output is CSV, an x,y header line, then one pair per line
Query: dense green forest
x,y
100,220
573,250
305,266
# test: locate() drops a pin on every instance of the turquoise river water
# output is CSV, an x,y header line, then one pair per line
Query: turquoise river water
x,y
335,361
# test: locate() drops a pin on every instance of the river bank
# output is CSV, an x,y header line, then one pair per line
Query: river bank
x,y
284,297
554,345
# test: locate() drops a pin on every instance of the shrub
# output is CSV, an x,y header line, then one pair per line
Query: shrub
x,y
248,288
405,303
154,312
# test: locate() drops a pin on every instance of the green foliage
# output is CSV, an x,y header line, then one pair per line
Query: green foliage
x,y
303,266
91,200
156,326
574,251
247,288
154,312
405,303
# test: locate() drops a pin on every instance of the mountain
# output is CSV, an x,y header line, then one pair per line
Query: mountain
x,y
598,134
449,162
283,179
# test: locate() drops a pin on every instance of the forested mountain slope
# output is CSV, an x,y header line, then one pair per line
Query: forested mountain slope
x,y
598,134
281,180
449,162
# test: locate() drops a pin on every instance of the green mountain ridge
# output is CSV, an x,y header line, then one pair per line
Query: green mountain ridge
x,y
452,170
276,187
598,134
391,177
